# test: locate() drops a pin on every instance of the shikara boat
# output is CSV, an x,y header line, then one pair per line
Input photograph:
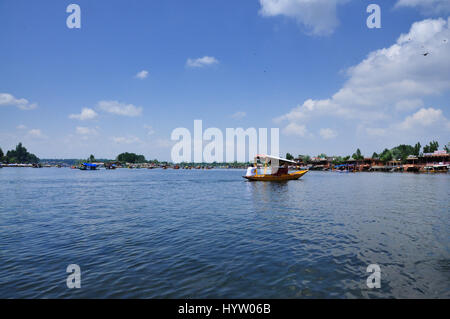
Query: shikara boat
x,y
437,168
88,167
272,169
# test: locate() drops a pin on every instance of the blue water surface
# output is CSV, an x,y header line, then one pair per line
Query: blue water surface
x,y
210,234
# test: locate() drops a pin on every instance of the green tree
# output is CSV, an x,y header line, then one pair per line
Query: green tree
x,y
386,155
289,156
21,155
91,159
338,160
322,155
402,151
346,158
375,155
305,158
433,146
1,154
447,147
140,159
357,155
131,158
417,149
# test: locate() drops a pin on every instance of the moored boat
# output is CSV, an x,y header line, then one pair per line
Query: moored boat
x,y
110,165
437,168
88,167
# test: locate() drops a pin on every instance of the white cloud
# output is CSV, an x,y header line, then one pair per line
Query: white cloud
x,y
239,115
201,62
164,143
408,105
295,129
376,131
82,130
423,117
327,133
426,6
86,114
394,77
142,74
118,108
317,16
7,99
36,133
150,130
21,127
126,140
425,123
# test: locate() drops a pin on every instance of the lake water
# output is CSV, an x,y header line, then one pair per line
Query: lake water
x,y
211,234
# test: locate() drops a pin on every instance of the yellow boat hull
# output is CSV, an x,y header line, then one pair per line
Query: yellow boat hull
x,y
272,178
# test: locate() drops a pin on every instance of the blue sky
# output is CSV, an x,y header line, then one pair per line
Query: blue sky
x,y
316,71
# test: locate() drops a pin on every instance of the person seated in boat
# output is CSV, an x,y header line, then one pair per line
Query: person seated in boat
x,y
282,170
251,171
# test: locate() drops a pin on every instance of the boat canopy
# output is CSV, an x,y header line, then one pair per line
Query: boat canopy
x,y
90,165
273,159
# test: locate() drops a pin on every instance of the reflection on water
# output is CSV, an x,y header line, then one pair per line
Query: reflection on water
x,y
268,192
194,234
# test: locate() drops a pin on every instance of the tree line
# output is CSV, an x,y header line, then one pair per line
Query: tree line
x,y
20,155
400,153
123,158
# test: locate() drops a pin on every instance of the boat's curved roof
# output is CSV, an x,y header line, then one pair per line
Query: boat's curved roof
x,y
280,159
90,164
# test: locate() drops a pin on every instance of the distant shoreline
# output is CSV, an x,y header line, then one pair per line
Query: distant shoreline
x,y
439,168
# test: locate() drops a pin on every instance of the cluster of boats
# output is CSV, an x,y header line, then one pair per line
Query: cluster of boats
x,y
265,168
187,167
35,165
96,166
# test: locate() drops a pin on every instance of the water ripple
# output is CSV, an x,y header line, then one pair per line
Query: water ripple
x,y
210,234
